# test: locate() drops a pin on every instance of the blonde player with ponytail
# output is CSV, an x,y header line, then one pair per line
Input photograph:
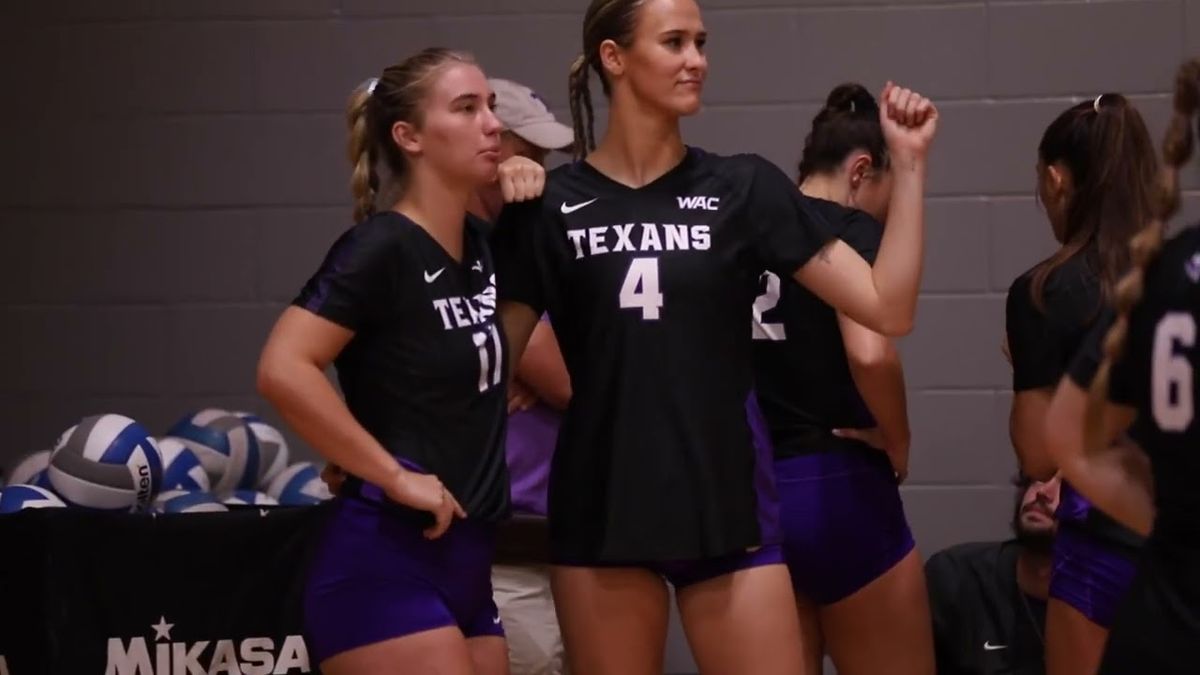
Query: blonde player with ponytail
x,y
1140,368
404,306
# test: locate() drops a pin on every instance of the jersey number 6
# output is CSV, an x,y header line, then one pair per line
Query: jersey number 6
x,y
1171,377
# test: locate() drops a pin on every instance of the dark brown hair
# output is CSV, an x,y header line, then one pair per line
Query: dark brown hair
x,y
849,121
1144,246
1107,149
374,108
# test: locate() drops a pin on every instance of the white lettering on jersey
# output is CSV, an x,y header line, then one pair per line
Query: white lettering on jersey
x,y
462,312
595,241
699,203
653,237
650,240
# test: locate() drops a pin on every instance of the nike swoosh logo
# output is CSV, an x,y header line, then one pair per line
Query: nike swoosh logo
x,y
496,621
575,207
989,647
477,267
430,278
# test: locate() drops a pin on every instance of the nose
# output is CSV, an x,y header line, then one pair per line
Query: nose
x,y
491,123
695,60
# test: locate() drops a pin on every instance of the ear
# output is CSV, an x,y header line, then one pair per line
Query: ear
x,y
405,135
858,167
611,58
1058,180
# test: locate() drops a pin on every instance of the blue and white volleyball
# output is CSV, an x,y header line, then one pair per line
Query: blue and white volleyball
x,y
181,468
299,485
272,448
225,447
188,501
31,470
106,462
16,497
250,498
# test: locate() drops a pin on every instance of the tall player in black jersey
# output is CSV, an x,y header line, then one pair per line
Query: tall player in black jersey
x,y
832,395
1143,380
1096,172
647,256
404,307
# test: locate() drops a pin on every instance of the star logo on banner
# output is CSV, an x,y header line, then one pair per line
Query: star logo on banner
x,y
162,629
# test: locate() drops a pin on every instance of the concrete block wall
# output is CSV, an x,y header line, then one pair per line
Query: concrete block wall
x,y
173,171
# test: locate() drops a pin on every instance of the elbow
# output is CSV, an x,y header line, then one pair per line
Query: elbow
x,y
897,326
866,358
268,379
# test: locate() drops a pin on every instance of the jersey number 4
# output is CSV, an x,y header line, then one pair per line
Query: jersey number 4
x,y
1171,385
640,288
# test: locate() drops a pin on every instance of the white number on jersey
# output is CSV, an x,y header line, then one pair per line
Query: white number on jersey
x,y
1171,379
764,330
640,289
489,362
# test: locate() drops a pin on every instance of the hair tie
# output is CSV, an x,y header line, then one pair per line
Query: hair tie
x,y
1096,103
371,84
853,108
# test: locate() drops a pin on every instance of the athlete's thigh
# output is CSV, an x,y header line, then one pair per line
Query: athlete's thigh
x,y
1074,643
812,640
885,626
489,655
614,620
440,650
744,622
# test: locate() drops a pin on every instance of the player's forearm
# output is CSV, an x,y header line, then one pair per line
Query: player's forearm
x,y
311,406
1118,481
897,269
881,385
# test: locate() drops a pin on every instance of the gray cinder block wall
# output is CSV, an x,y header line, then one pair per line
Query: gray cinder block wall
x,y
172,171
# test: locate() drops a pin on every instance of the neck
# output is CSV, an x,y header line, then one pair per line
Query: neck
x,y
640,144
1033,573
438,206
486,202
820,186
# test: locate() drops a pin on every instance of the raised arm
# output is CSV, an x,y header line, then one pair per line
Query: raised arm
x,y
883,297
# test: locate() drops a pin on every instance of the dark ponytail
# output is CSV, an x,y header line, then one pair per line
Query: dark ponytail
x,y
848,122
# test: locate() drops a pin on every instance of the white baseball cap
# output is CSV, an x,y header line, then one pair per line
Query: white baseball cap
x,y
524,113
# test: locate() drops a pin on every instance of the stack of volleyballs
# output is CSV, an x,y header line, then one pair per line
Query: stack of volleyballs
x,y
206,461
104,462
214,459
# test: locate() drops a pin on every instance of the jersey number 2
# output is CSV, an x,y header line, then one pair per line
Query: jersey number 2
x,y
640,288
489,361
764,303
1171,378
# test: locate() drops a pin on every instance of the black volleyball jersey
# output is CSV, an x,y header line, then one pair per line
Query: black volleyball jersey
x,y
802,377
425,370
1043,345
1156,374
650,291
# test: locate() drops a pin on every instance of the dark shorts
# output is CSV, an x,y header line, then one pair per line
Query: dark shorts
x,y
1091,569
684,573
1090,574
843,521
374,577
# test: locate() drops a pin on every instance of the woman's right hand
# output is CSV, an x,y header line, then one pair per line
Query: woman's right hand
x,y
425,492
909,122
